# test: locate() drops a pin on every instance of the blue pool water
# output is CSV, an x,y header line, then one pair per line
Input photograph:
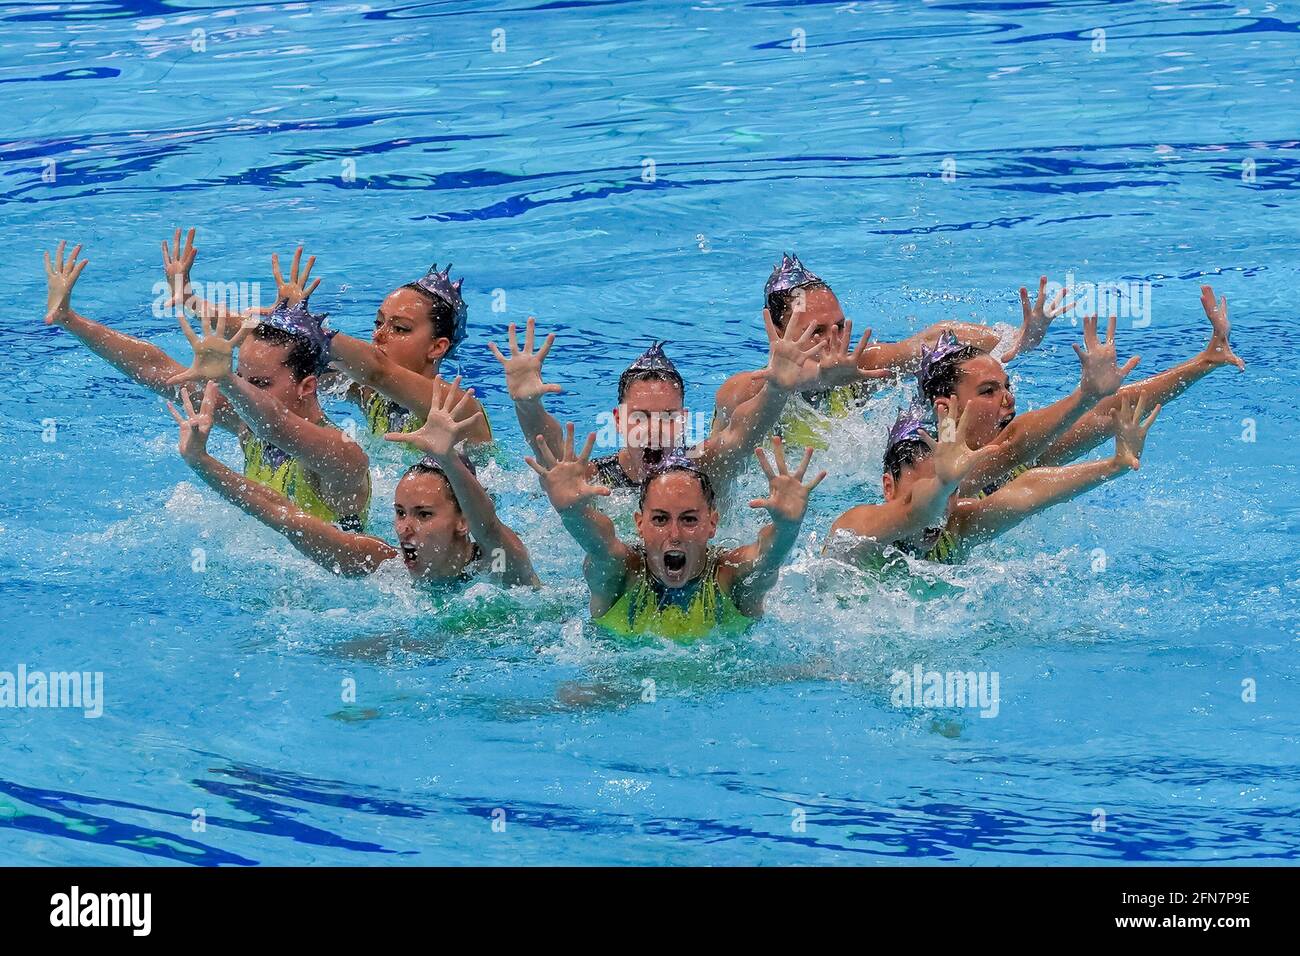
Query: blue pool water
x,y
1120,690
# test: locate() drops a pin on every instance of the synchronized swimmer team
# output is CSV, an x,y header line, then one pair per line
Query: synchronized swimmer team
x,y
960,466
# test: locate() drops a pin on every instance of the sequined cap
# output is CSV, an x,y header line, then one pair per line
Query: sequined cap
x,y
910,423
945,346
788,274
439,285
299,321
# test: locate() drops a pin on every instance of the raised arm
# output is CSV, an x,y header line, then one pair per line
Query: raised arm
x,y
438,438
354,555
339,462
756,567
143,363
869,529
795,363
524,382
564,479
1029,435
1036,490
366,365
1037,317
1095,427
178,260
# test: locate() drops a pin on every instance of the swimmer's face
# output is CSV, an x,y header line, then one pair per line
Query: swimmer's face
x,y
261,364
431,531
983,393
651,415
676,524
820,307
404,331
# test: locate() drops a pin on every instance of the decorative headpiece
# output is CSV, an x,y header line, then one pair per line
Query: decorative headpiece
x,y
429,463
654,359
907,427
439,285
788,274
945,346
299,321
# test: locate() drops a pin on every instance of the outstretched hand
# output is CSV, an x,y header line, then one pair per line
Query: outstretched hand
x,y
787,495
60,277
197,425
564,475
953,457
1101,374
1039,315
792,355
441,432
524,367
841,362
213,353
1131,430
177,262
295,288
1218,352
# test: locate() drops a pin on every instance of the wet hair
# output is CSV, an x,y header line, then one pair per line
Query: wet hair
x,y
905,454
679,466
780,303
634,375
303,358
941,378
426,466
442,315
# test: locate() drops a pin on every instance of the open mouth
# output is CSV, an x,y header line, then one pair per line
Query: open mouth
x,y
675,561
1004,422
408,553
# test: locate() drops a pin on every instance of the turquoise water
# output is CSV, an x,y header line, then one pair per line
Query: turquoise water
x,y
1120,690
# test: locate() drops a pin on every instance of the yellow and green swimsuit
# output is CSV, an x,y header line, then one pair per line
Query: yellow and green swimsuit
x,y
1009,477
384,415
270,466
682,614
806,424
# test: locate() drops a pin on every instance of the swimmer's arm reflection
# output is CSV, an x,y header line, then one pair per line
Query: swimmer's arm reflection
x,y
352,555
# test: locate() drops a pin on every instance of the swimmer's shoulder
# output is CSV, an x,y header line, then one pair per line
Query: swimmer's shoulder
x,y
737,390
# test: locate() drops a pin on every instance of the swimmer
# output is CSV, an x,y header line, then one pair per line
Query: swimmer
x,y
417,326
446,526
794,292
650,416
287,441
958,376
959,379
924,515
673,583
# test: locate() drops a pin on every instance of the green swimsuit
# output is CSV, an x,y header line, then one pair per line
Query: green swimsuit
x,y
268,465
682,614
